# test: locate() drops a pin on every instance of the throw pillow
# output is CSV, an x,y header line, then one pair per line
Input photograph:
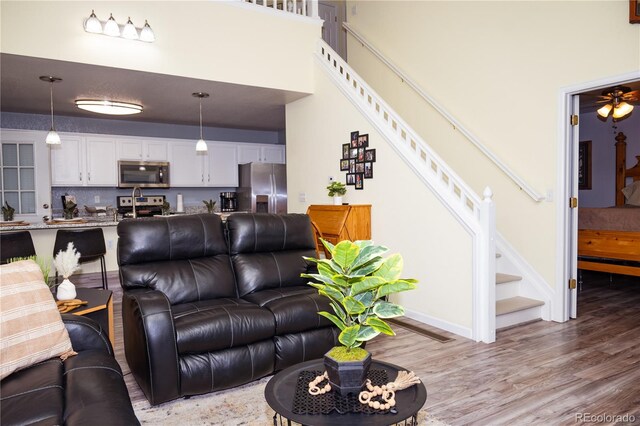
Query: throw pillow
x,y
632,193
31,328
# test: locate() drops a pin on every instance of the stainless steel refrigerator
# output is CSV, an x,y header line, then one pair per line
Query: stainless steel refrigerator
x,y
263,188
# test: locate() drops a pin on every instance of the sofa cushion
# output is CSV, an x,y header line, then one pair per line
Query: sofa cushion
x,y
41,386
296,309
184,281
267,250
215,325
32,329
95,392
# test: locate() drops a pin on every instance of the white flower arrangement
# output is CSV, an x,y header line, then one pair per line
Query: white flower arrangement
x,y
66,262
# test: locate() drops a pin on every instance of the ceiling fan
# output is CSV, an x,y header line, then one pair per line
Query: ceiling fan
x,y
616,102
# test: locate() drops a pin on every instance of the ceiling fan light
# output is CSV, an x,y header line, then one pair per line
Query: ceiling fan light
x,y
108,107
605,110
146,34
93,24
111,28
129,31
53,138
622,110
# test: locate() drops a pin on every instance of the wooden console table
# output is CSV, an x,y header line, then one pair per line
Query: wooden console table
x,y
345,222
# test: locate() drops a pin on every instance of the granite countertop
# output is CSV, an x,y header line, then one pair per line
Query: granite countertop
x,y
91,222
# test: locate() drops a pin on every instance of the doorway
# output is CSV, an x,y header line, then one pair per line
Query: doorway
x,y
590,174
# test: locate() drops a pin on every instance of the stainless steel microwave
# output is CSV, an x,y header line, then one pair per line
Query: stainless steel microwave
x,y
145,174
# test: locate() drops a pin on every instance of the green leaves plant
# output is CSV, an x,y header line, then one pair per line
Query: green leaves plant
x,y
356,279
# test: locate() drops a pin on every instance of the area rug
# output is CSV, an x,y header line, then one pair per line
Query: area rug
x,y
244,405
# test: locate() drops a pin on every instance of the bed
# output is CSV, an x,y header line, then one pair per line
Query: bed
x,y
609,238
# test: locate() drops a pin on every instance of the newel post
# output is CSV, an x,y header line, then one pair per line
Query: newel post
x,y
486,316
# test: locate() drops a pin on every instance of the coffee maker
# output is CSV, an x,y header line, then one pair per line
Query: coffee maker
x,y
228,202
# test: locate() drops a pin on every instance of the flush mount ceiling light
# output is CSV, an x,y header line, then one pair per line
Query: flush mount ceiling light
x,y
617,105
201,146
53,138
111,28
108,107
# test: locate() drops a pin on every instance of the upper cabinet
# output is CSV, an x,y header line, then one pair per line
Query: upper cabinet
x,y
84,161
218,167
142,150
92,160
256,153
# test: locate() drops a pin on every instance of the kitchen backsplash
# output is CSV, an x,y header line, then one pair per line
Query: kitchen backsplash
x,y
192,197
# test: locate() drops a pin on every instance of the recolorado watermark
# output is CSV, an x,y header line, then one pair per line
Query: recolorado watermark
x,y
605,418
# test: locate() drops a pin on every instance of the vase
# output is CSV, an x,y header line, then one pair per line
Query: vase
x,y
66,290
337,201
7,216
347,377
68,214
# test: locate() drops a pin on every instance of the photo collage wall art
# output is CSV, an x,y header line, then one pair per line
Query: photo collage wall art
x,y
357,160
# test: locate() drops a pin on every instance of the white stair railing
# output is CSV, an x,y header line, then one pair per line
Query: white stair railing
x,y
296,7
475,214
519,181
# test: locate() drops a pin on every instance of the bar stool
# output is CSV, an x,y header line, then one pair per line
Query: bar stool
x,y
15,244
88,242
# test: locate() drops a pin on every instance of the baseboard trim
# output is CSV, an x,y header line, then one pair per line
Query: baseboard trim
x,y
439,323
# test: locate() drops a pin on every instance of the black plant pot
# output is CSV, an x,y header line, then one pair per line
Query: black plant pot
x,y
347,376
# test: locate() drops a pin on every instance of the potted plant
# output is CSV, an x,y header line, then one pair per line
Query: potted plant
x,y
210,205
337,190
7,212
357,280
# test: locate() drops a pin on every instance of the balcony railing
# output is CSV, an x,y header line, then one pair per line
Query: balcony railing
x,y
297,7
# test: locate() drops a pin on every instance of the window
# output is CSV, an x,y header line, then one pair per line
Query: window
x,y
18,188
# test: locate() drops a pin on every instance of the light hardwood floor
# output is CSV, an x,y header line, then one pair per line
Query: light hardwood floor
x,y
542,373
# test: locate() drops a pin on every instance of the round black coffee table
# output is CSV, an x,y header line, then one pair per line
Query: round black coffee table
x,y
280,392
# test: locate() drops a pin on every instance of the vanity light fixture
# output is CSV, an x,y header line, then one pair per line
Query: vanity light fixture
x,y
108,107
53,138
111,28
201,146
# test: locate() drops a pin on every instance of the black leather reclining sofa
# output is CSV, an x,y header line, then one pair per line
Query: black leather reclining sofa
x,y
209,305
85,389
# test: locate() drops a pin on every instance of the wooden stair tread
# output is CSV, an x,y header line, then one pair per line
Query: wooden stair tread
x,y
506,278
514,304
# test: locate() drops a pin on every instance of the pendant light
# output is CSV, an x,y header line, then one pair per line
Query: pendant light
x,y
52,137
201,146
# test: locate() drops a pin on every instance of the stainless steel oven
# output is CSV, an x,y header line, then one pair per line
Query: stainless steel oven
x,y
145,174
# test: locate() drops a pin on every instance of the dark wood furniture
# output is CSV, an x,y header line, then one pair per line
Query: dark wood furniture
x,y
614,251
99,308
280,392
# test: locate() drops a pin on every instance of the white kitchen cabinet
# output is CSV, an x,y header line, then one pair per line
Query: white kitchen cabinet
x,y
67,162
222,164
84,161
257,153
186,165
142,150
101,164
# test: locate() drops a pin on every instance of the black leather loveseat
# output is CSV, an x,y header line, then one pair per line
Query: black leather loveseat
x,y
86,389
208,306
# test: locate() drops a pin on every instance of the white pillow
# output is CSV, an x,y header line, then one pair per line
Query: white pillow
x,y
30,323
632,193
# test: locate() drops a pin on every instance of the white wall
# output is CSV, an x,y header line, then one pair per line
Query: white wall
x,y
603,151
211,40
406,216
498,67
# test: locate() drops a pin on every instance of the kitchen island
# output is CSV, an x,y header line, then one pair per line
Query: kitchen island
x,y
43,235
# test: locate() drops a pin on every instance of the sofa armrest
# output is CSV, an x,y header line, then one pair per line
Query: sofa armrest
x,y
150,344
86,334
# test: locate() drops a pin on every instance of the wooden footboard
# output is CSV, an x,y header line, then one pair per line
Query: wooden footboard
x,y
609,245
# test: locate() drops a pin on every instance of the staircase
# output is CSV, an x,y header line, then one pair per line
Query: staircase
x,y
511,308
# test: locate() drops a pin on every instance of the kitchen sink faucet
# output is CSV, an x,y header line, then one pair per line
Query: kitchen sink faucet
x,y
133,199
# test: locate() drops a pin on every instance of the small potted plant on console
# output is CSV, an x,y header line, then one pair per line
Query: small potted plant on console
x,y
357,280
337,190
